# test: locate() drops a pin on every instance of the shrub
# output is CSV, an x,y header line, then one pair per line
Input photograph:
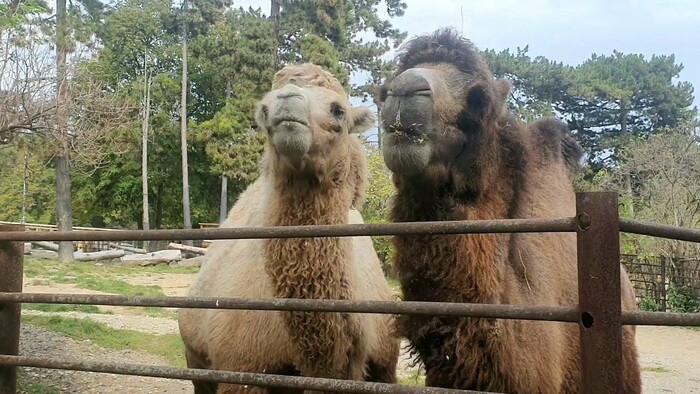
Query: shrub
x,y
681,299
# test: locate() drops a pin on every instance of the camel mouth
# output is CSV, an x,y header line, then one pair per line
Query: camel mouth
x,y
413,133
289,121
405,153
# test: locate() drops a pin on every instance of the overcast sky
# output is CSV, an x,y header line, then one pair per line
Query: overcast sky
x,y
564,31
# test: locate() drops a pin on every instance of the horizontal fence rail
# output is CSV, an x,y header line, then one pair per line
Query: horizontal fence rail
x,y
493,311
597,233
244,378
659,230
561,314
331,230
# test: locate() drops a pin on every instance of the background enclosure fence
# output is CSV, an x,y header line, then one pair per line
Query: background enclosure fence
x,y
654,277
598,314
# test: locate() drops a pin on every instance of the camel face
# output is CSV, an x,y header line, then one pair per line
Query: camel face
x,y
434,114
305,121
285,114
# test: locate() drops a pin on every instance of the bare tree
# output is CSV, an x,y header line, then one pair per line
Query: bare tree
x,y
60,101
26,87
667,169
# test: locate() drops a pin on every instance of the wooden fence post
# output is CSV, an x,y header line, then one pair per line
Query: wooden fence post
x,y
664,293
11,268
598,249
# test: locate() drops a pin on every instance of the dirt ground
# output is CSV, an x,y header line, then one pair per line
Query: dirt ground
x,y
670,356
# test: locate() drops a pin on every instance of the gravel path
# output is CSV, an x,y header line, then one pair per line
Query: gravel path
x,y
39,342
670,356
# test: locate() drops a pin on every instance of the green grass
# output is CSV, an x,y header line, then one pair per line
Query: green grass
x,y
154,311
104,278
42,267
36,388
116,286
416,379
168,346
63,308
394,284
657,369
25,386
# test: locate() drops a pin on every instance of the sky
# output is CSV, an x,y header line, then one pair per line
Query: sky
x,y
566,31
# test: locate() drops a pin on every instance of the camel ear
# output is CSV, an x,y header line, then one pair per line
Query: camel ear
x,y
503,88
487,99
381,92
361,119
261,114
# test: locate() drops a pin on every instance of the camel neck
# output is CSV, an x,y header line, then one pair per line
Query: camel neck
x,y
308,267
457,268
313,268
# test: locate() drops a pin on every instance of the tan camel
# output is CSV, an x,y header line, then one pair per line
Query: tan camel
x,y
313,172
456,153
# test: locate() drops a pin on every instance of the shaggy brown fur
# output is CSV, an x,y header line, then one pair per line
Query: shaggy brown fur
x,y
314,172
457,154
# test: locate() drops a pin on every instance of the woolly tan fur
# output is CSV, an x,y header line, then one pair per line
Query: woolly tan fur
x,y
320,182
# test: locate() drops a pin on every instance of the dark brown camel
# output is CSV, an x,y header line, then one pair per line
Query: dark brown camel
x,y
456,153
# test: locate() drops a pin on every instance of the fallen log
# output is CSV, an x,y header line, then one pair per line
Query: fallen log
x,y
128,248
161,256
100,255
46,245
192,249
192,262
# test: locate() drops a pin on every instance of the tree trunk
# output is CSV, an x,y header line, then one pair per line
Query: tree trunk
x,y
623,117
275,7
25,187
223,210
183,129
379,128
63,196
186,248
628,189
628,176
158,220
99,255
223,207
144,148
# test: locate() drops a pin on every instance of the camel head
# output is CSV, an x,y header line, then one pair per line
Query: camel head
x,y
307,117
441,107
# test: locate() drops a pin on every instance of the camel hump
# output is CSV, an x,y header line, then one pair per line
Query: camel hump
x,y
554,138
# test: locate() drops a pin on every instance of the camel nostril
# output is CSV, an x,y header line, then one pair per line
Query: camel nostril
x,y
423,92
265,112
284,95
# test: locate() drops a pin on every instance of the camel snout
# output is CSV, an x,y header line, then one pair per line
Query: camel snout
x,y
409,104
290,111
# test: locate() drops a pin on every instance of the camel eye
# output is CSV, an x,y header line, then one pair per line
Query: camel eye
x,y
337,110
